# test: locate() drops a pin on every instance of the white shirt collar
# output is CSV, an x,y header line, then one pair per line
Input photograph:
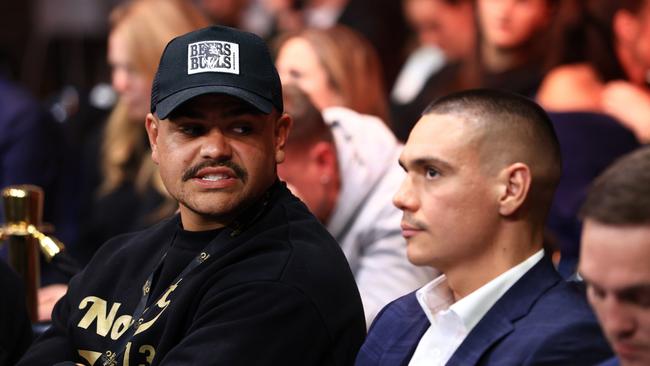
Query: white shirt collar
x,y
437,296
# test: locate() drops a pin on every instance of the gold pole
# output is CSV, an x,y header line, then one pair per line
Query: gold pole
x,y
23,207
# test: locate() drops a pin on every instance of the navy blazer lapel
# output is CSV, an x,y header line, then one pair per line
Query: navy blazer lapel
x,y
499,320
407,336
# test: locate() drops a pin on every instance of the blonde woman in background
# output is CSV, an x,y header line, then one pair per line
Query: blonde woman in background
x,y
335,67
130,195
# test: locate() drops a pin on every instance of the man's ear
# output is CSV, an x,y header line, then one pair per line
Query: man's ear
x,y
625,26
282,129
152,124
323,154
515,181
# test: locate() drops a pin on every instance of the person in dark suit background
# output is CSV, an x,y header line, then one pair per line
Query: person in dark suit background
x,y
482,167
614,256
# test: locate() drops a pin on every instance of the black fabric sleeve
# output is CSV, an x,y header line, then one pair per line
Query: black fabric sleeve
x,y
252,324
53,346
15,327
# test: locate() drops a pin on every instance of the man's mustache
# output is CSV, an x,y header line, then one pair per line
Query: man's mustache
x,y
416,224
240,172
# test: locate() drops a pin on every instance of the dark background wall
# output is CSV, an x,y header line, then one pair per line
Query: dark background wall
x,y
48,44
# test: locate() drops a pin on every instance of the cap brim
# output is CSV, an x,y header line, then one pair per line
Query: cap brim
x,y
167,105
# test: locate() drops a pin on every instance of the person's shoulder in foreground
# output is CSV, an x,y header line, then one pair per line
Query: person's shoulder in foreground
x,y
482,166
16,328
244,274
611,362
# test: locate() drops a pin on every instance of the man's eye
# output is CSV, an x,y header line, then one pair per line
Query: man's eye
x,y
295,74
639,297
242,129
595,292
192,130
431,173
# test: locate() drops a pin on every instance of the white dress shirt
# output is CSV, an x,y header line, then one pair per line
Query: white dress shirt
x,y
452,321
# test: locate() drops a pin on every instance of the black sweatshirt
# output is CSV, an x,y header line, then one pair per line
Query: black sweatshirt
x,y
277,291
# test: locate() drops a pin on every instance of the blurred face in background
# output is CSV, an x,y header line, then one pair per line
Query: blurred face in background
x,y
615,263
508,24
634,35
298,63
224,12
443,23
132,86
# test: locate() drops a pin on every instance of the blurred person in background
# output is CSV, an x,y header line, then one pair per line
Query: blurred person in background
x,y
600,45
610,64
446,35
615,254
31,152
122,190
335,67
29,144
512,44
224,12
343,165
379,21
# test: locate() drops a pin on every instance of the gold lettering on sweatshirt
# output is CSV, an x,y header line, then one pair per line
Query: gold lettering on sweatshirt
x,y
146,350
90,356
149,351
97,312
120,326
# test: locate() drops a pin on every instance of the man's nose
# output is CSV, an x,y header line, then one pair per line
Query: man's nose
x,y
215,145
404,199
119,80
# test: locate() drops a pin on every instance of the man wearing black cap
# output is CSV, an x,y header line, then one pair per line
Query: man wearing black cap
x,y
244,274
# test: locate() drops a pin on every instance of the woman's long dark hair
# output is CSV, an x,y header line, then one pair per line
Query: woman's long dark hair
x,y
585,34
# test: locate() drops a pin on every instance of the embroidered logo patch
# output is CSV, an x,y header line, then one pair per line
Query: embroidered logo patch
x,y
213,56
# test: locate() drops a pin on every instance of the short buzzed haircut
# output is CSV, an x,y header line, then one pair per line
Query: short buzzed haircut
x,y
621,194
513,129
308,126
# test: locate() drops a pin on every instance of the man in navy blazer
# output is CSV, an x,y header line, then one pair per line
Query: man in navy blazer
x,y
615,256
482,167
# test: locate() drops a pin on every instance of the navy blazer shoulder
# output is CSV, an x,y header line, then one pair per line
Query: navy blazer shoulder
x,y
611,362
540,320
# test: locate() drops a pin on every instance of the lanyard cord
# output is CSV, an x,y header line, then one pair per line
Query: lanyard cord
x,y
110,357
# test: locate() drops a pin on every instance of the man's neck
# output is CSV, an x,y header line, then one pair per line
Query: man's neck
x,y
502,255
635,72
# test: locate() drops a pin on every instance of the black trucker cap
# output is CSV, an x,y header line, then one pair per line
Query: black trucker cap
x,y
216,59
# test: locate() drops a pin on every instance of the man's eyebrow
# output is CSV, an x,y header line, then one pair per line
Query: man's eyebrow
x,y
641,287
619,291
426,161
